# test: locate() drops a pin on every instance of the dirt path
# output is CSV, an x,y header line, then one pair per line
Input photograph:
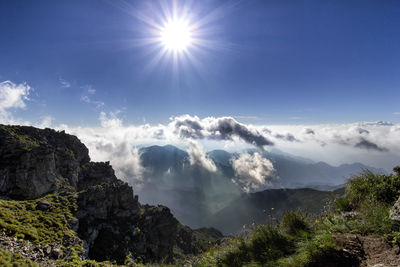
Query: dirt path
x,y
370,250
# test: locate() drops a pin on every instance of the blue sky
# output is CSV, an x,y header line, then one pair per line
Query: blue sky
x,y
284,62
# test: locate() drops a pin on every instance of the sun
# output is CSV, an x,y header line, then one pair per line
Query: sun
x,y
176,35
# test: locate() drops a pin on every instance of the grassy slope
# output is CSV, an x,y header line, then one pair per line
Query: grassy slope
x,y
298,240
23,220
257,207
8,259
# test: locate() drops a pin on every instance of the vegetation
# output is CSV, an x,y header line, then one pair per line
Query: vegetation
x,y
368,198
27,220
14,136
298,240
24,220
8,259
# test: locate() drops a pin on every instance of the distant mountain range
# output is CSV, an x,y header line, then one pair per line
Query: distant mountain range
x,y
198,197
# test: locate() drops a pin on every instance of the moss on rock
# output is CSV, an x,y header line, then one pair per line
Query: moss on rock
x,y
25,220
8,259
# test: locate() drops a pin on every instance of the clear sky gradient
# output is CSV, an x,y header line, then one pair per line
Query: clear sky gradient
x,y
284,62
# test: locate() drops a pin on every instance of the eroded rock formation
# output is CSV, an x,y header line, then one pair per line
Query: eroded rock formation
x,y
109,219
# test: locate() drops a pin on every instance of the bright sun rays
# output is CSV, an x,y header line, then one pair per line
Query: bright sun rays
x,y
176,35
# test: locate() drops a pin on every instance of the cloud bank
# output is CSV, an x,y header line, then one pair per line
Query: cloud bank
x,y
372,143
223,128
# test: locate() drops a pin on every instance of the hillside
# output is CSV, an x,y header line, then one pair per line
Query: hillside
x,y
258,207
362,228
197,196
58,207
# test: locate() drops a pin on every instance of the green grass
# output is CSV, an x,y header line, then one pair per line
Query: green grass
x,y
263,245
308,250
370,196
23,220
8,259
294,241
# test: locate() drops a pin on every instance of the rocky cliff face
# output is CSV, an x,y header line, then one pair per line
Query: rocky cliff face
x,y
36,162
109,219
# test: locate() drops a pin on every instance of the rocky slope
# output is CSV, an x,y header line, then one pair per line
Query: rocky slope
x,y
47,174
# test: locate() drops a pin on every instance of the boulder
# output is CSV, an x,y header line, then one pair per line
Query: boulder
x,y
43,205
395,211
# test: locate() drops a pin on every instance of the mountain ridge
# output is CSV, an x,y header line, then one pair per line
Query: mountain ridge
x,y
195,195
52,193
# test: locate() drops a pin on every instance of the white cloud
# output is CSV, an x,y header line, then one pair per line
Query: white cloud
x,y
46,122
253,172
221,128
198,157
64,83
86,97
12,96
111,120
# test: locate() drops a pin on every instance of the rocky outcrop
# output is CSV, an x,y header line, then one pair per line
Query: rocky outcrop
x,y
36,162
109,219
395,211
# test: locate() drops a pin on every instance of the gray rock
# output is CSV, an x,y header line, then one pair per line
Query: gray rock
x,y
43,205
56,252
36,162
74,224
395,211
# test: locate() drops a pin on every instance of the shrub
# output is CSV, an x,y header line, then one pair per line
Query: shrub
x,y
376,187
344,204
294,223
375,219
371,196
264,245
238,256
268,244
